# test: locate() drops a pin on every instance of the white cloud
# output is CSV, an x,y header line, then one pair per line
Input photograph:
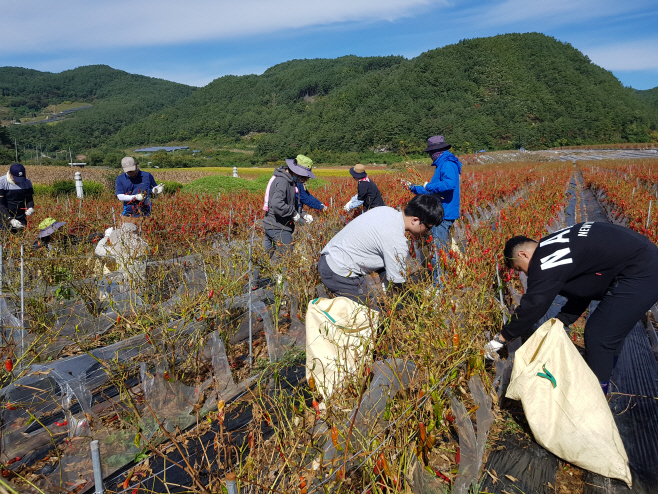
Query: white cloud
x,y
540,14
634,55
31,26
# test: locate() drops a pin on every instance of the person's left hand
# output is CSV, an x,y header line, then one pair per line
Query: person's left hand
x,y
29,212
308,219
158,189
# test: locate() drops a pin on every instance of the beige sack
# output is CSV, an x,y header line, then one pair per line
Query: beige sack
x,y
339,333
570,417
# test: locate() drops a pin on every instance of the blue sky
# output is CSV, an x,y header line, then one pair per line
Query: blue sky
x,y
196,41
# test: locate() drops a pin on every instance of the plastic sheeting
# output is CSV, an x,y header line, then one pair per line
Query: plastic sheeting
x,y
471,447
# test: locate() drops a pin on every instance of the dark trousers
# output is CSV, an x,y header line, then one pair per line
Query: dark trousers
x,y
360,289
277,241
627,301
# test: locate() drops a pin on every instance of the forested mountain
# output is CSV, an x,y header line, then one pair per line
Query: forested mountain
x,y
649,95
500,92
117,98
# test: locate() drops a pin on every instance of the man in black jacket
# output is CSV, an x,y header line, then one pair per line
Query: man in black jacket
x,y
16,199
585,262
367,192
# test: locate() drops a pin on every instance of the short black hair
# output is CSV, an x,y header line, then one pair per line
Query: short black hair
x,y
426,208
512,247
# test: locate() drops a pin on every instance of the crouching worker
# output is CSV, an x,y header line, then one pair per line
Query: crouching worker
x,y
585,262
375,242
50,236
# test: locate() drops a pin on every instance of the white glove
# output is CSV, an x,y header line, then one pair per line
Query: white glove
x,y
296,218
347,207
324,207
29,212
109,231
138,197
425,184
16,224
492,347
308,219
158,189
406,183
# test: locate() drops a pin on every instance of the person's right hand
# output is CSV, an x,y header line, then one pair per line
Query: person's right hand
x,y
16,224
139,197
406,184
296,218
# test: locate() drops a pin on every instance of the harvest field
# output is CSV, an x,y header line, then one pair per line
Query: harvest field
x,y
155,363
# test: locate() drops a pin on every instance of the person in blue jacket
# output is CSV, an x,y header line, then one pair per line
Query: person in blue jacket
x,y
135,188
444,185
307,199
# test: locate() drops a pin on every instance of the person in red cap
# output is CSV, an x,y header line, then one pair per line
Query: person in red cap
x,y
16,199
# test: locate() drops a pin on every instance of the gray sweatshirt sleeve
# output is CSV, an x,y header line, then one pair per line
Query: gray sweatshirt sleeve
x,y
277,202
395,260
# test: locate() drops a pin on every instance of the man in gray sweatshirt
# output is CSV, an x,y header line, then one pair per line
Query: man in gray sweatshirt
x,y
375,242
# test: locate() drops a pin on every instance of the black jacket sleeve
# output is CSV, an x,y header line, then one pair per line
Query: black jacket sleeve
x,y
572,310
29,198
534,304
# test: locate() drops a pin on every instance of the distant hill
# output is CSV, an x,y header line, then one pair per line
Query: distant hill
x,y
118,99
508,91
649,95
501,92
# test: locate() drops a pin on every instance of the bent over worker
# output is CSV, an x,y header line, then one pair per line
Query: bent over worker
x,y
368,194
444,185
135,189
16,199
585,262
375,242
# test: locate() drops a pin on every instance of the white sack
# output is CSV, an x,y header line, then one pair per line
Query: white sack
x,y
572,420
339,333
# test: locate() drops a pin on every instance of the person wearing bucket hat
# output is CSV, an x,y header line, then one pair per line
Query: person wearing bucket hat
x,y
284,207
444,185
16,199
51,235
368,193
305,197
135,188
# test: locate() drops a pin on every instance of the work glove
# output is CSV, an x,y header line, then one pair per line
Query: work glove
x,y
16,224
347,207
406,184
492,347
29,212
425,184
296,218
324,207
308,219
158,189
138,197
109,231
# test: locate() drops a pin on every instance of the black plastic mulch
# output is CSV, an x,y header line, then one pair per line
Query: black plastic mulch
x,y
235,422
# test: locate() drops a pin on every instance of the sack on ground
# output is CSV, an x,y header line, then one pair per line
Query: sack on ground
x,y
564,405
339,334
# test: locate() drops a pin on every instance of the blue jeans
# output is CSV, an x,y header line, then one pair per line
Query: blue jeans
x,y
440,234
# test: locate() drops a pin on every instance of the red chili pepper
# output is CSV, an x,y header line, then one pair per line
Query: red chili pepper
x,y
450,417
9,365
211,293
443,477
251,440
316,407
10,406
61,424
458,457
13,460
118,319
334,436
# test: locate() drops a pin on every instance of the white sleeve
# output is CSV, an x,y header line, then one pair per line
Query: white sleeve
x,y
125,197
395,260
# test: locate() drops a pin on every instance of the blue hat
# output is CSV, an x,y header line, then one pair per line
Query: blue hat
x,y
17,173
